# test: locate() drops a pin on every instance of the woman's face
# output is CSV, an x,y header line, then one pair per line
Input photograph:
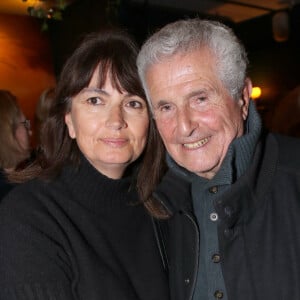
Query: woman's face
x,y
23,133
110,127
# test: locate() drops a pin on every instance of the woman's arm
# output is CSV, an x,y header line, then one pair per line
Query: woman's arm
x,y
33,262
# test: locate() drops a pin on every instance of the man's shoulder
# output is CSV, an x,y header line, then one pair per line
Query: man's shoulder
x,y
288,150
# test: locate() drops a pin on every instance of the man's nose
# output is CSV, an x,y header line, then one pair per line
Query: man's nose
x,y
185,123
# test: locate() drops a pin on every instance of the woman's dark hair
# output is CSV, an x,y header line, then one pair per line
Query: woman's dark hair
x,y
115,52
151,171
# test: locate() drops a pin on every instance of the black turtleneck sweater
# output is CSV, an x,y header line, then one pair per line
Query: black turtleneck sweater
x,y
79,236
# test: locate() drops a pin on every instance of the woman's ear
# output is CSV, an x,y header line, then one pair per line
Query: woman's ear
x,y
245,99
69,123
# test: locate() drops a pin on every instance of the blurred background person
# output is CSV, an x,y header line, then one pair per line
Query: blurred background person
x,y
42,111
15,135
286,114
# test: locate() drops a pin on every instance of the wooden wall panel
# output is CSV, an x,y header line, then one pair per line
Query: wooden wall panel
x,y
26,63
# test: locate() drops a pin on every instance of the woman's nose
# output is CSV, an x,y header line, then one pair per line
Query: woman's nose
x,y
115,118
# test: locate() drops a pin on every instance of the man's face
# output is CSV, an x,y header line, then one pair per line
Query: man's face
x,y
196,116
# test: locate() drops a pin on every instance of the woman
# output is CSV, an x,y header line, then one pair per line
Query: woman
x,y
77,230
14,138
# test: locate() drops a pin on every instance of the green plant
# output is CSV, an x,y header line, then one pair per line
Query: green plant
x,y
47,10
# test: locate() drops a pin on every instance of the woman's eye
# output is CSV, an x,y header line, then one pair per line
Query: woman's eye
x,y
135,104
94,100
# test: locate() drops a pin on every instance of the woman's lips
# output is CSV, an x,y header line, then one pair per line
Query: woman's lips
x,y
115,142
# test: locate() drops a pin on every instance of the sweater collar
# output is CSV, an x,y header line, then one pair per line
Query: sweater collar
x,y
94,190
244,195
240,151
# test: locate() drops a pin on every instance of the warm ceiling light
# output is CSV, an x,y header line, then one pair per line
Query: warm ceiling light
x,y
256,92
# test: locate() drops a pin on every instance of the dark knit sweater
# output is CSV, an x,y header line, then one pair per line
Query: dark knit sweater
x,y
5,186
78,237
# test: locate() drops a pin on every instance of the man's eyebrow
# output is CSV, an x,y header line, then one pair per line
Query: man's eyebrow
x,y
197,92
189,95
161,103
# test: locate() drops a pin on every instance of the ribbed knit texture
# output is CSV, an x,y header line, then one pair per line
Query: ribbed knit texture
x,y
81,236
5,186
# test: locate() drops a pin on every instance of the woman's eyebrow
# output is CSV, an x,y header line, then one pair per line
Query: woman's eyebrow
x,y
94,89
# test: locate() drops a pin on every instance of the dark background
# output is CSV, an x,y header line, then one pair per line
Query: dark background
x,y
274,66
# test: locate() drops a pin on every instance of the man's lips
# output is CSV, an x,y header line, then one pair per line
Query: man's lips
x,y
197,144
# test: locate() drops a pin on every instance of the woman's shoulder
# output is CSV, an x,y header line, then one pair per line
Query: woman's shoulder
x,y
32,195
34,208
32,236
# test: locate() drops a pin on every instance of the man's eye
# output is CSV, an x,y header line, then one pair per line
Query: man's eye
x,y
201,99
165,108
94,100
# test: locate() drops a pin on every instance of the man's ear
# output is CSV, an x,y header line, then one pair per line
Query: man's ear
x,y
245,99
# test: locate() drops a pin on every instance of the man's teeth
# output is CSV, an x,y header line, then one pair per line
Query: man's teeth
x,y
197,144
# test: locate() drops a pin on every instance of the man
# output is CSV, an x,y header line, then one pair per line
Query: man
x,y
233,192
